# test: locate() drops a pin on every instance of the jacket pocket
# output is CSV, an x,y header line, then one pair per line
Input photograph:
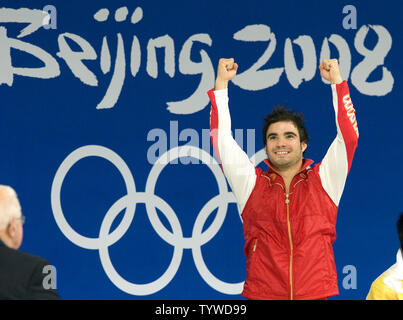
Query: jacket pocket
x,y
251,254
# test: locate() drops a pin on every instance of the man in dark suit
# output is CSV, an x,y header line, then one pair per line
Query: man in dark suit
x,y
22,275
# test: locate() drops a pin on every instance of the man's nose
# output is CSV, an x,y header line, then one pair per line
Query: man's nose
x,y
281,142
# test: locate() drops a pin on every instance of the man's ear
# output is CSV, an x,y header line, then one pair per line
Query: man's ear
x,y
304,145
11,229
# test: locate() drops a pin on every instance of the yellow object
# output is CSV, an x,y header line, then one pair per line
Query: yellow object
x,y
389,285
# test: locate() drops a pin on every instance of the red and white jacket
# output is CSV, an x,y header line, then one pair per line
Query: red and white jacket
x,y
288,237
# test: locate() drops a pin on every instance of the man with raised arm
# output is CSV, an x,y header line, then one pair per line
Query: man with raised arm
x,y
289,211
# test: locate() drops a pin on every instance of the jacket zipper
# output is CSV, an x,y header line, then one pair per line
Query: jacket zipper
x,y
287,201
254,245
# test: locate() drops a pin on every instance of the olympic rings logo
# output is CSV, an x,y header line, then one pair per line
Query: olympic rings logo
x,y
152,202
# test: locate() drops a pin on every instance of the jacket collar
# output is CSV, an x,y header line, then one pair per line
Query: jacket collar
x,y
305,164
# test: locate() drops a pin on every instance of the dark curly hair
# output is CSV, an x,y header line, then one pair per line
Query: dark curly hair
x,y
280,113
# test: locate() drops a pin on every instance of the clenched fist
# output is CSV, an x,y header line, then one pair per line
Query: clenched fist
x,y
329,70
226,71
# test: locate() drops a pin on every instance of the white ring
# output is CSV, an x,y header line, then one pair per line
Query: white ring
x,y
72,158
117,280
152,201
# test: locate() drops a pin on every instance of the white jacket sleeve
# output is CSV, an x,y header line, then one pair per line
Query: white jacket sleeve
x,y
238,169
336,164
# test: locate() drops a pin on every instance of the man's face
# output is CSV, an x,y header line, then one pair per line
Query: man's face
x,y
283,145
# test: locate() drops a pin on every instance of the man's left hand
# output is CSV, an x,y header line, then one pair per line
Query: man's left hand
x,y
330,71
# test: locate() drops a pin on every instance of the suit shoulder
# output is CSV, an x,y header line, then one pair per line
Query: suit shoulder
x,y
21,275
22,259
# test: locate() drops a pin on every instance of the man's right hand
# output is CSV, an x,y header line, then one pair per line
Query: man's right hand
x,y
226,71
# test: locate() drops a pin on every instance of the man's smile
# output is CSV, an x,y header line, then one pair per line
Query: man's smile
x,y
281,153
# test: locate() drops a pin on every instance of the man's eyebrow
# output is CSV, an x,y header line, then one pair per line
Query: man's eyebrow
x,y
285,133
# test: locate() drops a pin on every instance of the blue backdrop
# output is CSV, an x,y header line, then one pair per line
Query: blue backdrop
x,y
92,99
